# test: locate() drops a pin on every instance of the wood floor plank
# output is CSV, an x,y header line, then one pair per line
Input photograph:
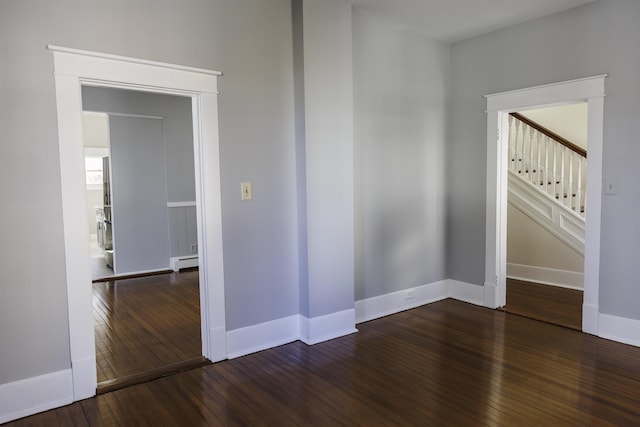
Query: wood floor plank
x,y
447,363
553,304
145,323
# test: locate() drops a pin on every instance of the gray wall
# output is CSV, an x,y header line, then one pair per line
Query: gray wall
x,y
602,37
178,130
177,148
251,42
138,194
400,87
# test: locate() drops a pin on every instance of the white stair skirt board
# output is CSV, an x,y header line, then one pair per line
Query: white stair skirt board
x,y
323,328
546,276
557,219
406,299
262,336
178,263
37,394
619,329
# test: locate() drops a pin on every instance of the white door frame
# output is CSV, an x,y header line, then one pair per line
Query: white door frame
x,y
589,89
74,69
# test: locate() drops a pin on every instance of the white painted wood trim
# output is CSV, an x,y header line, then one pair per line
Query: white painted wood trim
x,y
593,212
467,292
73,69
181,204
548,94
590,89
546,276
620,329
557,219
327,327
37,394
395,302
78,53
262,336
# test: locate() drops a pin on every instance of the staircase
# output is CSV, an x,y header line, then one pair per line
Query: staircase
x,y
547,179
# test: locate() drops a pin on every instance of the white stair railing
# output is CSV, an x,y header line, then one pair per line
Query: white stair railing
x,y
549,162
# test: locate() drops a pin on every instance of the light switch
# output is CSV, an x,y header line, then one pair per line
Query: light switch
x,y
247,194
610,186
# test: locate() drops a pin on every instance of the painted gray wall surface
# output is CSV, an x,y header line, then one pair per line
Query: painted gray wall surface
x,y
138,194
328,107
178,130
183,230
400,87
602,37
297,26
178,147
251,42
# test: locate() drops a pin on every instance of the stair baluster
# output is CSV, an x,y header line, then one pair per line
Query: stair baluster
x,y
541,157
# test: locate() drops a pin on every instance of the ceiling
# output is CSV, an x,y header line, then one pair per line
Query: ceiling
x,y
455,20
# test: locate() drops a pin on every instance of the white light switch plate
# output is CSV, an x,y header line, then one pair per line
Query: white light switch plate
x,y
247,193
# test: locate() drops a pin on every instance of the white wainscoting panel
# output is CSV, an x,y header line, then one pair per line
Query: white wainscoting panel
x,y
37,394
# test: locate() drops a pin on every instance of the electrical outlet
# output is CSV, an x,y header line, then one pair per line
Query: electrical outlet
x,y
194,249
409,295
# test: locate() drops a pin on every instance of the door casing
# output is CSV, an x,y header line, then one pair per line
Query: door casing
x,y
591,90
74,69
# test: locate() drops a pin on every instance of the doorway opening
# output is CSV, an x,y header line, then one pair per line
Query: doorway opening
x,y
590,90
547,169
146,305
75,69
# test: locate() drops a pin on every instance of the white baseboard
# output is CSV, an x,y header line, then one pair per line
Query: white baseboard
x,y
590,317
395,302
177,263
85,378
37,394
462,291
262,336
619,329
323,328
546,276
218,349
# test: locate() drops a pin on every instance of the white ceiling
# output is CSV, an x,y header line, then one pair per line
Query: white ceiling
x,y
455,20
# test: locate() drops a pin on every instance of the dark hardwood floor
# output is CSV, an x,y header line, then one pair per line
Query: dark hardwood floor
x,y
146,326
560,306
443,364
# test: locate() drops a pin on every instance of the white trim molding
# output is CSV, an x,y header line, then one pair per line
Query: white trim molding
x,y
590,89
323,328
620,329
74,69
467,292
395,302
262,336
546,276
554,217
37,394
406,299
